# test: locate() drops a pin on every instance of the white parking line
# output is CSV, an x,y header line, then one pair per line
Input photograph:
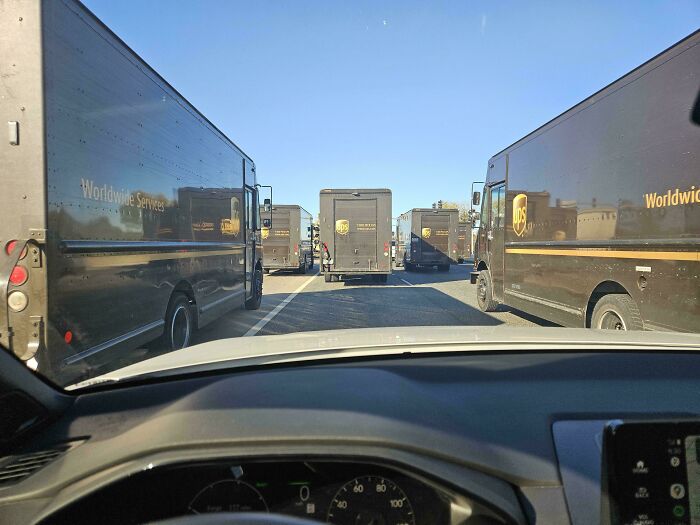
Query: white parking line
x,y
277,309
404,280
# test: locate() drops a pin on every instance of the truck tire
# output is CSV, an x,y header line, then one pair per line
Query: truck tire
x,y
254,302
408,266
302,267
266,271
484,292
179,322
616,311
327,277
311,263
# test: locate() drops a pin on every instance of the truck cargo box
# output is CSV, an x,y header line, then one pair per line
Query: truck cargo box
x,y
287,243
355,232
428,237
136,211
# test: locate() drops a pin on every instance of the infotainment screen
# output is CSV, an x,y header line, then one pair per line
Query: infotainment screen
x,y
651,473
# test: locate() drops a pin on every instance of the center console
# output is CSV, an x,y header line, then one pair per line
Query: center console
x,y
651,473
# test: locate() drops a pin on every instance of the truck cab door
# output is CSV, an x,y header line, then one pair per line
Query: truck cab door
x,y
251,237
495,236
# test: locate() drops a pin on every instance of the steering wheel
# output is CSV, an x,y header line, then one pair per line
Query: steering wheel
x,y
242,518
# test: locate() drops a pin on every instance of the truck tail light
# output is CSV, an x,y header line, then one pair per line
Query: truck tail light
x,y
10,247
296,249
68,337
19,275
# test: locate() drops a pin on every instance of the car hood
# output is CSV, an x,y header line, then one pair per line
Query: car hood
x,y
373,342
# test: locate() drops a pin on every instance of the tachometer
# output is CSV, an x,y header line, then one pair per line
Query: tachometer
x,y
370,500
228,495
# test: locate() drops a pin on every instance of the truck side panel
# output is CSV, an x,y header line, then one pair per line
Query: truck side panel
x,y
606,198
144,195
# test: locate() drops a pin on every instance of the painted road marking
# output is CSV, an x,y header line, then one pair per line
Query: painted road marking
x,y
404,280
277,309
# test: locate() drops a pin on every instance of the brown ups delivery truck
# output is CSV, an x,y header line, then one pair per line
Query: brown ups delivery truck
x,y
355,233
427,237
594,218
125,215
287,242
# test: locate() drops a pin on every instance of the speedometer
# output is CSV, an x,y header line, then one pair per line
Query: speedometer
x,y
370,500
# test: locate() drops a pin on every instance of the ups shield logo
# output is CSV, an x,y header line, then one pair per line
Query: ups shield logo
x,y
342,226
426,233
265,232
519,214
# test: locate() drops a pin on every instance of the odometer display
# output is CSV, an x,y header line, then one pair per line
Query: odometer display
x,y
371,500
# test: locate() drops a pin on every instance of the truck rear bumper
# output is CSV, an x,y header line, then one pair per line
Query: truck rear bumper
x,y
357,272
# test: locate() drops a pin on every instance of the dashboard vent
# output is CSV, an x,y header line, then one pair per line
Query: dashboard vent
x,y
14,469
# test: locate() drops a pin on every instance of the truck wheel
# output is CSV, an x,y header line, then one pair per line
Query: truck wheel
x,y
302,267
616,311
327,277
179,323
408,266
484,292
311,263
254,302
266,271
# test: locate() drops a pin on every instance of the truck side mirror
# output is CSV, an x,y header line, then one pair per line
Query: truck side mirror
x,y
267,203
267,223
476,198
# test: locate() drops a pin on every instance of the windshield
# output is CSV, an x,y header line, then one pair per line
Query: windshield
x,y
225,171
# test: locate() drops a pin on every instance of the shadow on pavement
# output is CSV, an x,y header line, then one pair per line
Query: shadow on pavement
x,y
431,275
363,307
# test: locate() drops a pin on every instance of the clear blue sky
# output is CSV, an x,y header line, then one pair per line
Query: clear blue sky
x,y
413,96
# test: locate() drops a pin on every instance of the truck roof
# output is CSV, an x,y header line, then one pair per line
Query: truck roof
x,y
152,71
681,46
288,206
431,210
356,190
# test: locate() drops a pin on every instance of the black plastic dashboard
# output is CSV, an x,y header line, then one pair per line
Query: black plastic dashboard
x,y
455,433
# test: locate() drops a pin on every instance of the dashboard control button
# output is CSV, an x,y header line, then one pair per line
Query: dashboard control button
x,y
679,511
642,493
677,491
675,461
640,467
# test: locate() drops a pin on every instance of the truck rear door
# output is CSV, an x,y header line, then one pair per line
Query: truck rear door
x,y
355,234
435,232
276,240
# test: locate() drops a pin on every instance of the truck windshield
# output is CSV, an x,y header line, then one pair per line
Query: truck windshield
x,y
316,174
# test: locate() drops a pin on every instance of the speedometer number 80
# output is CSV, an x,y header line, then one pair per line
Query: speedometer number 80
x,y
371,499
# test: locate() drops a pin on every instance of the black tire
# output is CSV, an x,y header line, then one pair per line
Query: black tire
x,y
266,271
327,277
302,267
179,323
311,263
254,302
616,311
484,292
408,266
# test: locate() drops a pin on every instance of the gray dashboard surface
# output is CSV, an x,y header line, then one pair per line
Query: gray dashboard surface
x,y
491,413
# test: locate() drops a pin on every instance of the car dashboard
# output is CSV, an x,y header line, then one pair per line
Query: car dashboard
x,y
473,439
